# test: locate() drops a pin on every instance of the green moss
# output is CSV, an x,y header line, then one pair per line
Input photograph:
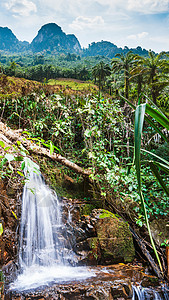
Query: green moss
x,y
107,214
54,174
93,242
86,209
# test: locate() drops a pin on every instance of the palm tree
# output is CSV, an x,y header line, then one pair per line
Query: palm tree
x,y
100,72
137,76
123,63
153,67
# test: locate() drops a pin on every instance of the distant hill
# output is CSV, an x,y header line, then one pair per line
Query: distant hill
x,y
52,39
108,49
9,42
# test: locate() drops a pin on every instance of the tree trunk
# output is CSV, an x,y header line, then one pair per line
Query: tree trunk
x,y
15,136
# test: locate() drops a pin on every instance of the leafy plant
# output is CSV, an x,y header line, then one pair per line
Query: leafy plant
x,y
165,243
155,165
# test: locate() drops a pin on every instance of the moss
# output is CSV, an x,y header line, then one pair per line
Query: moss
x,y
107,214
93,242
94,245
86,209
54,174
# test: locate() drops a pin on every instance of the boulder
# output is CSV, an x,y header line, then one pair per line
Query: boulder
x,y
106,239
114,237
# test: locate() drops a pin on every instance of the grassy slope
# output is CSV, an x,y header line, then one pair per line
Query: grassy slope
x,y
12,86
73,84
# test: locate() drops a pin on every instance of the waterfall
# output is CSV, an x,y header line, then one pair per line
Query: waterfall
x,y
45,254
41,241
141,293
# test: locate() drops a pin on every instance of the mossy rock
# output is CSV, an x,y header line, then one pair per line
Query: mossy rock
x,y
114,236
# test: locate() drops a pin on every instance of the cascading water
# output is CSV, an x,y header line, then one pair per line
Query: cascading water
x,y
45,255
141,293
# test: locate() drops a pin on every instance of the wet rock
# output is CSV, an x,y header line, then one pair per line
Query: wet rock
x,y
89,251
9,271
8,240
114,236
149,281
121,291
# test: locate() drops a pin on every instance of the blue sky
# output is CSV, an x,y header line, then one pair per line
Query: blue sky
x,y
129,23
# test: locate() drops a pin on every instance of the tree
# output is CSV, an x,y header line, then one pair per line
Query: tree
x,y
100,71
123,63
153,68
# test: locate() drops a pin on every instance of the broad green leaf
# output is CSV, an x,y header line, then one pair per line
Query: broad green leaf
x,y
20,173
154,113
3,162
19,158
139,120
51,148
7,148
159,178
156,156
1,229
165,168
23,165
147,119
26,132
156,128
57,148
2,144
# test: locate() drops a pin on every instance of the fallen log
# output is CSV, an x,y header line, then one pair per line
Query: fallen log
x,y
147,254
14,136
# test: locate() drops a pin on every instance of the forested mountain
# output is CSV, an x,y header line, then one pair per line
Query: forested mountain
x,y
53,40
109,49
9,42
50,38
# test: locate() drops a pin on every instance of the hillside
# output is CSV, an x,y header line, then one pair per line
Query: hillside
x,y
109,49
9,42
11,87
51,39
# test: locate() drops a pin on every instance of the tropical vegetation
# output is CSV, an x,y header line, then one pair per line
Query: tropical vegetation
x,y
96,127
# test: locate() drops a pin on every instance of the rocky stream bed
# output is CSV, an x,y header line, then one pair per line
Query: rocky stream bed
x,y
101,241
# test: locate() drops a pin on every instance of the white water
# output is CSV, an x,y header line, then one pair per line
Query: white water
x,y
45,255
141,293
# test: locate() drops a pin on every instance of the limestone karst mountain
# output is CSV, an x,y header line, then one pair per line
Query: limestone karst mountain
x,y
51,38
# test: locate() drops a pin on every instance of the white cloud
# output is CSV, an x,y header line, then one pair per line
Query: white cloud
x,y
138,36
81,23
148,6
21,7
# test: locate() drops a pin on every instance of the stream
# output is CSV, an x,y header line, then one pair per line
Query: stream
x,y
49,267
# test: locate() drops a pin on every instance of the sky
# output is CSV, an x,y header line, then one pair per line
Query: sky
x,y
128,23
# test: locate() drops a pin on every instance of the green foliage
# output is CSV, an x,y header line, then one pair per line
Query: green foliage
x,y
106,214
165,243
1,229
